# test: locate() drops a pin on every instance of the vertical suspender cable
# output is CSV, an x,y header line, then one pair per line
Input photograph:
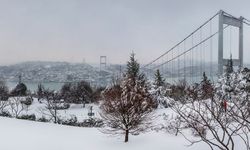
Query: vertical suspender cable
x,y
211,52
201,52
162,69
178,62
184,60
230,41
172,74
192,61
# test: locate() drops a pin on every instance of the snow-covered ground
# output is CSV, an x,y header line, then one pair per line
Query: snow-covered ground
x,y
75,110
18,134
29,135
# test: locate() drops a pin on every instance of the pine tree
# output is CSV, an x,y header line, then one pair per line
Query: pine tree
x,y
159,81
206,88
133,67
229,66
40,89
4,91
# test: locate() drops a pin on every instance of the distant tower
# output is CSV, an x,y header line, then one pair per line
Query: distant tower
x,y
103,62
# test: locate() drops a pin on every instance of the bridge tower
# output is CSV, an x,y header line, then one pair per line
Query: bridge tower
x,y
229,20
103,62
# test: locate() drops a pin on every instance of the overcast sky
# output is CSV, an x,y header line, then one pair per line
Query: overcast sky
x,y
73,30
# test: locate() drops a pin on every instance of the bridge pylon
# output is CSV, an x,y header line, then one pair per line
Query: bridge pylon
x,y
229,20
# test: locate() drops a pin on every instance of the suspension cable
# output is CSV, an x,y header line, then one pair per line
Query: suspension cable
x,y
246,21
182,40
189,49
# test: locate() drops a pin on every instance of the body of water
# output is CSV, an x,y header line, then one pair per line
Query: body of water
x,y
32,86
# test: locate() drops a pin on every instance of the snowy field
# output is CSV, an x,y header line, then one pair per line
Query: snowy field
x,y
28,135
19,134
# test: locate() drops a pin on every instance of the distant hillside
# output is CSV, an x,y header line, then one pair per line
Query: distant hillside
x,y
40,71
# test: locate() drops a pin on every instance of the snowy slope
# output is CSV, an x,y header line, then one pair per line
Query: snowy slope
x,y
29,135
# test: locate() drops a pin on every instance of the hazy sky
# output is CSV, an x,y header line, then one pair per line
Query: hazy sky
x,y
73,30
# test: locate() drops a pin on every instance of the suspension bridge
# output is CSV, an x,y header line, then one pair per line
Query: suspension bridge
x,y
206,49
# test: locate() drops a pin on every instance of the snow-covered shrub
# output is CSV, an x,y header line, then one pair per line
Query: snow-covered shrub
x,y
234,86
200,131
27,117
92,122
174,125
3,105
28,101
179,92
71,121
43,119
159,94
59,106
5,114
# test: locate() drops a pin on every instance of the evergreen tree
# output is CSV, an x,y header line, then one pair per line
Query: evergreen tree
x,y
133,68
206,88
40,90
19,90
159,81
229,66
4,91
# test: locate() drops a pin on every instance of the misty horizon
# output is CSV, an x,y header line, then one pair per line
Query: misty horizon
x,y
82,31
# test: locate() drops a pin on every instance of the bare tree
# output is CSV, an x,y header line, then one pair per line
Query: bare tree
x,y
214,125
52,102
16,106
127,109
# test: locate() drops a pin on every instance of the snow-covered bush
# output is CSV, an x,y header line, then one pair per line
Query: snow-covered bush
x,y
159,94
224,116
27,101
28,117
179,92
92,122
59,106
71,121
43,119
5,114
3,105
200,131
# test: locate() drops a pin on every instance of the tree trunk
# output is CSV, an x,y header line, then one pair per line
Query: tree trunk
x,y
55,115
126,135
